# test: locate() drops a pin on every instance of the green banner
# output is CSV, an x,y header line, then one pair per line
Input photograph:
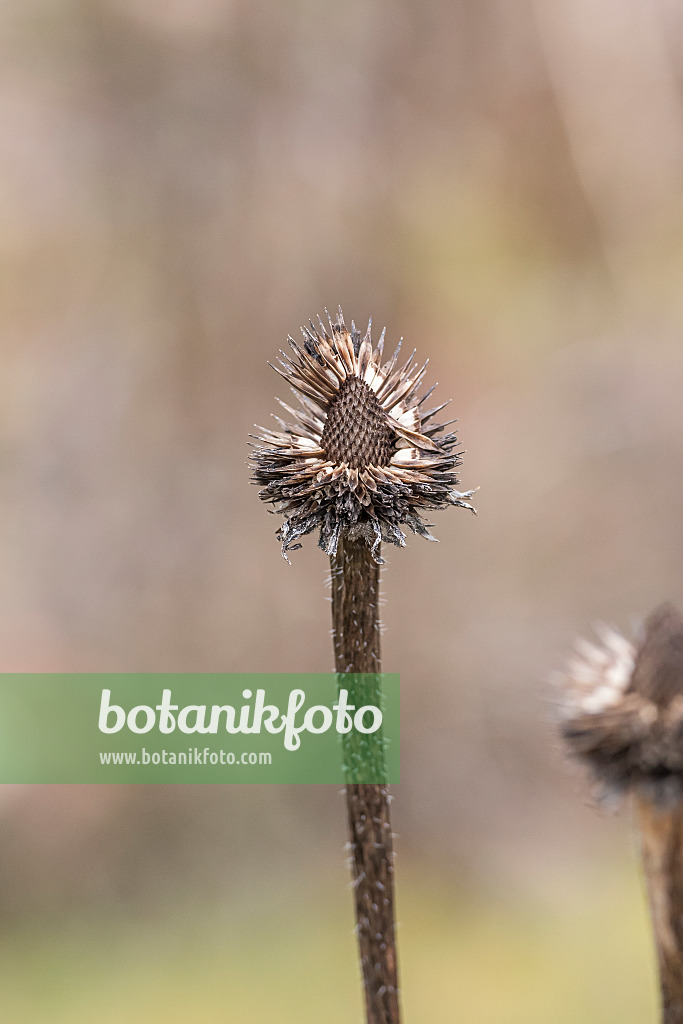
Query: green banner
x,y
199,728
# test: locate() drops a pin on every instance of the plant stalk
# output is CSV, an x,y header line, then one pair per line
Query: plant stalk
x,y
661,832
355,618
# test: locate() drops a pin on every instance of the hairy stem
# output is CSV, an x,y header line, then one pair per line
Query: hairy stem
x,y
355,618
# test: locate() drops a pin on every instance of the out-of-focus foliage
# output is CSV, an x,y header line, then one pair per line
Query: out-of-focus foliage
x,y
294,962
184,183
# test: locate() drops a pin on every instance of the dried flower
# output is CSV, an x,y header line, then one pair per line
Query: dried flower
x,y
623,715
360,454
623,707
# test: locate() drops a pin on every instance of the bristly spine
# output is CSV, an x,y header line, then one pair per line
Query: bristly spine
x,y
359,454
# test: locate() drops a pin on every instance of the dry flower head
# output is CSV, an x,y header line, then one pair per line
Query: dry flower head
x,y
622,707
359,452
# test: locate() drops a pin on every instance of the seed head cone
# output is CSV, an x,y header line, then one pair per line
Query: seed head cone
x,y
359,453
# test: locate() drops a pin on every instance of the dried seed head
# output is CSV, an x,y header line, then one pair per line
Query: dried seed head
x,y
359,452
622,708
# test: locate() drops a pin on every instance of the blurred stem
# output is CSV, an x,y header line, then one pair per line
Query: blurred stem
x,y
661,831
355,618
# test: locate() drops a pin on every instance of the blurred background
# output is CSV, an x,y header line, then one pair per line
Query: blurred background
x,y
182,184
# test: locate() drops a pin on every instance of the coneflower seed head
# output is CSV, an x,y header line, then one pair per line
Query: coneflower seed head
x,y
359,453
623,708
